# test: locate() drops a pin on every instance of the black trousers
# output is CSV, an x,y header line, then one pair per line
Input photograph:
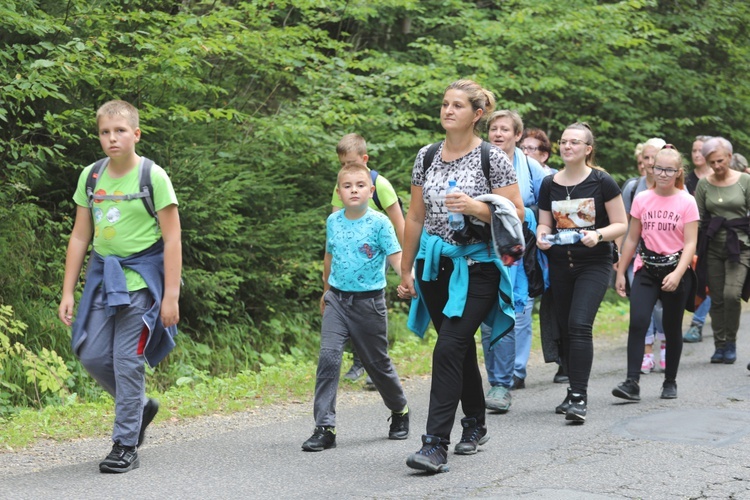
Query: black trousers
x,y
578,287
644,293
455,371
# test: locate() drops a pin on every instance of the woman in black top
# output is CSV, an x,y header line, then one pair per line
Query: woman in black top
x,y
584,199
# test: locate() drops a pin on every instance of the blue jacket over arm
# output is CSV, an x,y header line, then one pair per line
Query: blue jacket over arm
x,y
107,272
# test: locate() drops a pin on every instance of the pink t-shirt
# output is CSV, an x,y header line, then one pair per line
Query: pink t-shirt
x,y
663,220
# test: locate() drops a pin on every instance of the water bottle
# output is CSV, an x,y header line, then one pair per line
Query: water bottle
x,y
455,219
564,238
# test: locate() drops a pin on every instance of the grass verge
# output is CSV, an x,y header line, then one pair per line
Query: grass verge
x,y
289,379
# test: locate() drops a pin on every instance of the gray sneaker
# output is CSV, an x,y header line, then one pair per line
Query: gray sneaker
x,y
355,372
498,399
694,334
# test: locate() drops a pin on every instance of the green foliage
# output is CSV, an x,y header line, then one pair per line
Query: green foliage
x,y
27,377
243,102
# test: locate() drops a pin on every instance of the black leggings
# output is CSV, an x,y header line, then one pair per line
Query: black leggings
x,y
644,293
578,288
455,371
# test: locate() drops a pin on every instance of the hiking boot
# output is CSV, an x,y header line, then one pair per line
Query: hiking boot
x,y
694,334
577,410
718,355
730,353
120,459
355,372
669,390
498,399
518,383
648,364
562,408
324,437
433,457
472,436
150,409
369,384
561,377
399,425
629,390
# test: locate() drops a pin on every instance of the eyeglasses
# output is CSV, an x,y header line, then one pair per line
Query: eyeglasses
x,y
669,146
572,142
530,149
669,172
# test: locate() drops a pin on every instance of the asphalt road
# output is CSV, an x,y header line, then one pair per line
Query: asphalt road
x,y
696,446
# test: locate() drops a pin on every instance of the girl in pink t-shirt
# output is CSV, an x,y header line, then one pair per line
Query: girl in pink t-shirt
x,y
665,222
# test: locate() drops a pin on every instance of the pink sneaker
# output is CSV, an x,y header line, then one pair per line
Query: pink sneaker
x,y
648,363
663,356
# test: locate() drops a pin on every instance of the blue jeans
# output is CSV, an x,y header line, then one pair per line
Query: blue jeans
x,y
699,316
511,353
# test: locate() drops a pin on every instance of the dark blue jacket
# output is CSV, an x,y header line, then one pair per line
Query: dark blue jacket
x,y
108,272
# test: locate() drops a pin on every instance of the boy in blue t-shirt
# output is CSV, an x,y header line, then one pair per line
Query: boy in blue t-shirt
x,y
358,242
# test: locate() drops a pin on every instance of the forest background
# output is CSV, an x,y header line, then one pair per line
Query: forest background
x,y
243,103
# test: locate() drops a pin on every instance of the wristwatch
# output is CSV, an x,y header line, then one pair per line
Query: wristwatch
x,y
600,236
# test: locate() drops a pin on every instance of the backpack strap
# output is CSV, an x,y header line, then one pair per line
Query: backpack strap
x,y
375,198
429,156
485,154
146,192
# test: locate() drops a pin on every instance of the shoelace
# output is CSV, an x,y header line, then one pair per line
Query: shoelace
x,y
474,436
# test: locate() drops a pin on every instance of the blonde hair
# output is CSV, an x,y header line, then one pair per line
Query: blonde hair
x,y
638,150
119,108
479,98
353,168
352,143
675,155
507,113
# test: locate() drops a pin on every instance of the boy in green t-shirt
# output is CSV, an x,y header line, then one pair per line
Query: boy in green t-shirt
x,y
129,308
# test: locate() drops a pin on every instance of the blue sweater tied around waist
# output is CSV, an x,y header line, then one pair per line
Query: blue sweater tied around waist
x,y
107,272
431,248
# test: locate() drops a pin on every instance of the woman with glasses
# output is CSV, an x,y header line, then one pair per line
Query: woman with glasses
x,y
723,199
457,284
535,144
582,201
656,329
664,230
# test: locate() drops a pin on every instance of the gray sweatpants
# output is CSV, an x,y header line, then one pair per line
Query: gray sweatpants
x,y
363,318
113,354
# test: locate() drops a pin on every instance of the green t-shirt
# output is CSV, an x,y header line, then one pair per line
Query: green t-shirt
x,y
386,194
124,227
730,202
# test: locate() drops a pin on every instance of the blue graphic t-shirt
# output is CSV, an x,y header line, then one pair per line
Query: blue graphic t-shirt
x,y
359,249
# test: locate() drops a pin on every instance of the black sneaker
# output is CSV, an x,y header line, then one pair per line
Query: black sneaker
x,y
323,437
577,410
629,390
433,457
669,390
120,459
562,408
370,385
561,377
150,409
399,425
472,436
518,383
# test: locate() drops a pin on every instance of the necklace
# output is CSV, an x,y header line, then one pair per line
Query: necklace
x,y
568,192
